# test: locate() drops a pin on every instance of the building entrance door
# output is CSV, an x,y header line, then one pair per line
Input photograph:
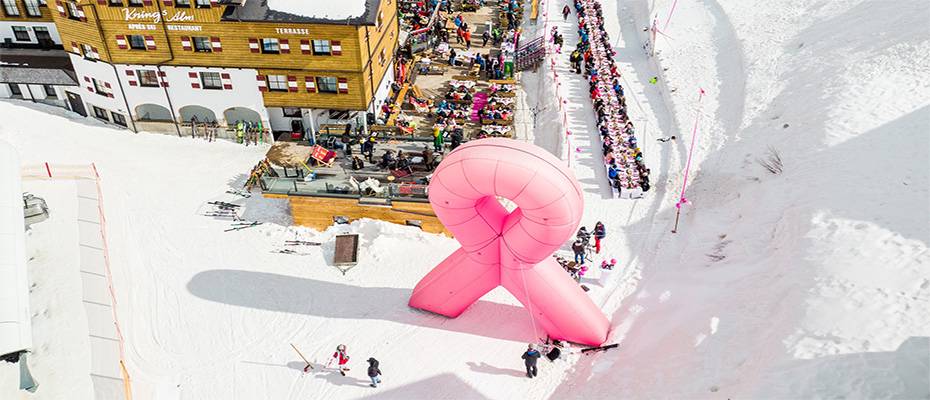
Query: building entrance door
x,y
77,105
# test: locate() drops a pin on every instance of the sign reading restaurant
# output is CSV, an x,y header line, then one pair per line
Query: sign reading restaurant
x,y
156,17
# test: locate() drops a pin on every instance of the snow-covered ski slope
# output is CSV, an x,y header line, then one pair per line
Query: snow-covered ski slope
x,y
812,283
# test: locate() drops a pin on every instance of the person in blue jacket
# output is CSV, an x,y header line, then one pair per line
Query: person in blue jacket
x,y
529,359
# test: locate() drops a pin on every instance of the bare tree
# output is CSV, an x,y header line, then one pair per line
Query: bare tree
x,y
772,161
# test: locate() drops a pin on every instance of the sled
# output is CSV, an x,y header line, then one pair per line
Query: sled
x,y
346,254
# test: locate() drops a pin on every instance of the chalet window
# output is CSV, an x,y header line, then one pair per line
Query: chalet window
x,y
101,113
277,83
182,3
9,7
119,119
21,33
101,88
211,80
73,11
270,46
136,42
115,3
202,3
322,48
50,91
202,44
147,77
88,52
135,3
291,112
15,90
32,8
327,84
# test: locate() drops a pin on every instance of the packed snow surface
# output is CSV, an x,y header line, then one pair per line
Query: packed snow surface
x,y
327,9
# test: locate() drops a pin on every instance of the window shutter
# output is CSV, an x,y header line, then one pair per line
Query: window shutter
x,y
163,77
304,46
186,43
60,5
168,2
146,2
80,11
150,42
336,47
121,42
291,83
74,48
285,46
262,84
253,45
217,45
131,77
214,3
195,80
310,83
107,85
102,2
227,81
343,85
96,54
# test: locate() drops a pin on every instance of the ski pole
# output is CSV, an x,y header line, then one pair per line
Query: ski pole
x,y
302,357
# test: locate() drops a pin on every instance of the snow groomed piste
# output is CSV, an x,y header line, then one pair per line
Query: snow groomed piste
x,y
509,249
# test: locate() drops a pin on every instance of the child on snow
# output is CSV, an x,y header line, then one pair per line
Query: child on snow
x,y
342,358
374,372
529,359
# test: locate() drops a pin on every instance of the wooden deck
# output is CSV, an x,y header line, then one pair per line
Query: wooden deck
x,y
318,212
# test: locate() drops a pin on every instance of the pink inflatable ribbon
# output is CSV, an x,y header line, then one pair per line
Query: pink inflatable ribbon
x,y
509,249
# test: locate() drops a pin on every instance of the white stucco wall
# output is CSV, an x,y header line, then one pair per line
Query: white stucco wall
x,y
101,71
244,92
38,92
6,31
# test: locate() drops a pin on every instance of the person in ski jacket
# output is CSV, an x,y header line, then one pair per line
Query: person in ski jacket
x,y
565,12
600,232
578,248
583,235
529,360
374,372
342,358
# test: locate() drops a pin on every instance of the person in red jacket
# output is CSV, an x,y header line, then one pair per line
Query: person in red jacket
x,y
340,356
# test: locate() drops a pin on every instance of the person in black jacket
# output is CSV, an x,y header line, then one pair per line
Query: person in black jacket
x,y
529,359
374,372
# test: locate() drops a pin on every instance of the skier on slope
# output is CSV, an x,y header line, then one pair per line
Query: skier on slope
x,y
374,372
600,232
342,358
529,360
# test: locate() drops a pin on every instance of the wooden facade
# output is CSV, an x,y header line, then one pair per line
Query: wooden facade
x,y
359,55
318,212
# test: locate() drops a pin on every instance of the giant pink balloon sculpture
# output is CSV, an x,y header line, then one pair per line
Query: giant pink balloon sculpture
x,y
510,249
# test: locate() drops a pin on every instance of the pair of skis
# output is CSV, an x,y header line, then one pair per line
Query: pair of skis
x,y
239,192
238,226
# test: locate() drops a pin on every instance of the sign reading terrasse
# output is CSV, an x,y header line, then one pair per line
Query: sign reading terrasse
x,y
293,31
156,17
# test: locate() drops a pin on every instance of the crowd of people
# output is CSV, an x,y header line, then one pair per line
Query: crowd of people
x,y
594,57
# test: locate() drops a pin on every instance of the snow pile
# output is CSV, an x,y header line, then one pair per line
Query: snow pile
x,y
325,9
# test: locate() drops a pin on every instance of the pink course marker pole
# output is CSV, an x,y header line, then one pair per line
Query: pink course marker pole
x,y
505,248
682,200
